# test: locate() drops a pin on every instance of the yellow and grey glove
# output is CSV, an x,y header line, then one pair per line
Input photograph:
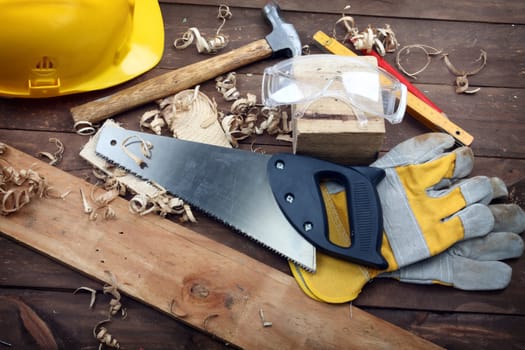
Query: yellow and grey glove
x,y
428,205
474,264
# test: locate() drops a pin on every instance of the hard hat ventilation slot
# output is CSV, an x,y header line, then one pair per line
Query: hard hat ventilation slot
x,y
45,63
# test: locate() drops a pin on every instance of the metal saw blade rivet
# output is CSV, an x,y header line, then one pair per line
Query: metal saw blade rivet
x,y
289,198
308,226
113,142
279,165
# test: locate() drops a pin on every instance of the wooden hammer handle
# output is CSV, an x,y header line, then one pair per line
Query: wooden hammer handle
x,y
171,82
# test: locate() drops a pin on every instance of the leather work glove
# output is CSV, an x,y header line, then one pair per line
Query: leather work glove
x,y
428,205
474,264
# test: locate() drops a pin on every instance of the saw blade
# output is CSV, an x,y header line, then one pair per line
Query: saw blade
x,y
228,184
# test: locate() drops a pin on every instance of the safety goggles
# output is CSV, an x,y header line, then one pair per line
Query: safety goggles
x,y
368,89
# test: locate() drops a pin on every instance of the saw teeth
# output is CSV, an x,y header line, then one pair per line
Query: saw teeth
x,y
295,247
214,217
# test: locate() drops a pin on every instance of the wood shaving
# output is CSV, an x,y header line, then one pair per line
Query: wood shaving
x,y
226,86
93,294
99,203
99,332
153,120
264,322
204,45
462,84
114,304
429,52
178,311
163,204
246,119
112,182
207,320
85,128
383,40
19,187
104,337
56,157
145,149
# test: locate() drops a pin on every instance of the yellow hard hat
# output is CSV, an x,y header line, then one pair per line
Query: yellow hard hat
x,y
58,47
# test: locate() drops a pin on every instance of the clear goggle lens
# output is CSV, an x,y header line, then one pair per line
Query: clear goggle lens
x,y
367,88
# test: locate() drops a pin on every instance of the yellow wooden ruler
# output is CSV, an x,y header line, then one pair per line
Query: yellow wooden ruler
x,y
416,107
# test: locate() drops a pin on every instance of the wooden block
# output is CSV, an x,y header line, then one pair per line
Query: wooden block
x,y
339,139
328,129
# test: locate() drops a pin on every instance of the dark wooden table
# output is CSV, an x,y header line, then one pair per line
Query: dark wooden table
x,y
494,116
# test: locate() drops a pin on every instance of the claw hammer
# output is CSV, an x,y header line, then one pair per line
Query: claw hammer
x,y
282,40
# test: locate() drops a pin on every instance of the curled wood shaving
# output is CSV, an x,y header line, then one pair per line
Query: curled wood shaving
x,y
153,120
55,157
207,320
429,51
104,337
145,149
97,203
246,119
177,311
111,182
114,304
383,40
161,203
226,86
85,128
462,84
209,46
93,294
17,188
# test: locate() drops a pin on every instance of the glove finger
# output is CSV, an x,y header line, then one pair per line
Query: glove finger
x,y
481,275
474,190
508,217
477,220
456,271
416,150
494,246
499,189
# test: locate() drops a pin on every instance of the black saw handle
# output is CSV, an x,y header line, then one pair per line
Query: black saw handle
x,y
295,182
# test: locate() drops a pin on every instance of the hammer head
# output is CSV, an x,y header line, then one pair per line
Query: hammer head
x,y
284,38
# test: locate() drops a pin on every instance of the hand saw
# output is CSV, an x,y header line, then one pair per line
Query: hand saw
x,y
275,200
419,109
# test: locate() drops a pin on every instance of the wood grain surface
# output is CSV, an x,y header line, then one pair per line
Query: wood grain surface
x,y
494,116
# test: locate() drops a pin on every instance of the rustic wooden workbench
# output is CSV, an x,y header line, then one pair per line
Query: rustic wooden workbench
x,y
448,317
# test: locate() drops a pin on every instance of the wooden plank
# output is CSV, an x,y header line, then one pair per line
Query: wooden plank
x,y
190,277
468,10
462,330
71,322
